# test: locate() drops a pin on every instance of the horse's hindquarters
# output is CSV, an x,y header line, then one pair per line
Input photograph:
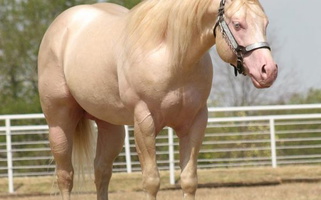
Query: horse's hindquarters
x,y
80,48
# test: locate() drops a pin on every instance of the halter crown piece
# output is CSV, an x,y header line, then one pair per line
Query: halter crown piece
x,y
239,50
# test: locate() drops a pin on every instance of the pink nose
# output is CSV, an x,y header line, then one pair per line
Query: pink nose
x,y
268,74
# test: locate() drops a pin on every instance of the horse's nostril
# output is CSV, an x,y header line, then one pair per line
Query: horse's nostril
x,y
263,69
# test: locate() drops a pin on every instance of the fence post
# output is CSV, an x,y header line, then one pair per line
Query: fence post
x,y
9,156
127,151
171,156
273,143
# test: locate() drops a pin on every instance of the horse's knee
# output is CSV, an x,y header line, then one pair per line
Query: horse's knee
x,y
65,181
189,183
151,182
61,148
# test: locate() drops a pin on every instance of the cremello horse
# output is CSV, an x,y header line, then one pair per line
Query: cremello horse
x,y
146,67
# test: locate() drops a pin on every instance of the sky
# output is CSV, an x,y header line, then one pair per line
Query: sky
x,y
295,35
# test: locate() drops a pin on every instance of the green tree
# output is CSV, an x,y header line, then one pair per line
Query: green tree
x,y
126,3
22,25
312,96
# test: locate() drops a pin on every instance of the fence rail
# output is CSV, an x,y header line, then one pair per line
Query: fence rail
x,y
235,137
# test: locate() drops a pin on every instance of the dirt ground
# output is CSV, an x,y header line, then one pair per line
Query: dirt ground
x,y
295,191
285,183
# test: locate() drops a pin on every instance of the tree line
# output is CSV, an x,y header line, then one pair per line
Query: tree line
x,y
22,25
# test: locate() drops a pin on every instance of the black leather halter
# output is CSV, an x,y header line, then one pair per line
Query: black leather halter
x,y
239,50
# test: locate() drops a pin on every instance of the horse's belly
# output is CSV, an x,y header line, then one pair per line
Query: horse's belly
x,y
102,102
109,112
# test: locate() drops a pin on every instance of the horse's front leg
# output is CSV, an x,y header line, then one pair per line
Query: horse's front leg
x,y
190,142
145,134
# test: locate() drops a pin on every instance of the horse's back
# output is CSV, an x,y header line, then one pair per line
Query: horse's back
x,y
73,19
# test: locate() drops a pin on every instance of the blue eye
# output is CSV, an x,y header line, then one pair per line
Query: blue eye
x,y
237,25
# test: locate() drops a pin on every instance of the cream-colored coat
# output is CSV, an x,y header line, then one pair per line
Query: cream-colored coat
x,y
104,63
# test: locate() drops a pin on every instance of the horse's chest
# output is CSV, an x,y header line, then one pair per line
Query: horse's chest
x,y
181,98
180,105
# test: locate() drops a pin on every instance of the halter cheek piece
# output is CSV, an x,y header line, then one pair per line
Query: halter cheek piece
x,y
239,50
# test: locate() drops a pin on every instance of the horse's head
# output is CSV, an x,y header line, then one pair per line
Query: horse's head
x,y
241,40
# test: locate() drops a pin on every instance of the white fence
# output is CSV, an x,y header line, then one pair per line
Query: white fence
x,y
235,137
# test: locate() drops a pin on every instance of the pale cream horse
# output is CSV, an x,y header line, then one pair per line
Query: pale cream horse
x,y
146,67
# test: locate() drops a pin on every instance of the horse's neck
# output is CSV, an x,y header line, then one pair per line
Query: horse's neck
x,y
203,41
200,46
187,37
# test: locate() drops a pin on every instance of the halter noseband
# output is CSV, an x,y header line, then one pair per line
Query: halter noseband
x,y
239,50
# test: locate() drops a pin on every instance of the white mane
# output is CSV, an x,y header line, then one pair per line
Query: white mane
x,y
174,21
